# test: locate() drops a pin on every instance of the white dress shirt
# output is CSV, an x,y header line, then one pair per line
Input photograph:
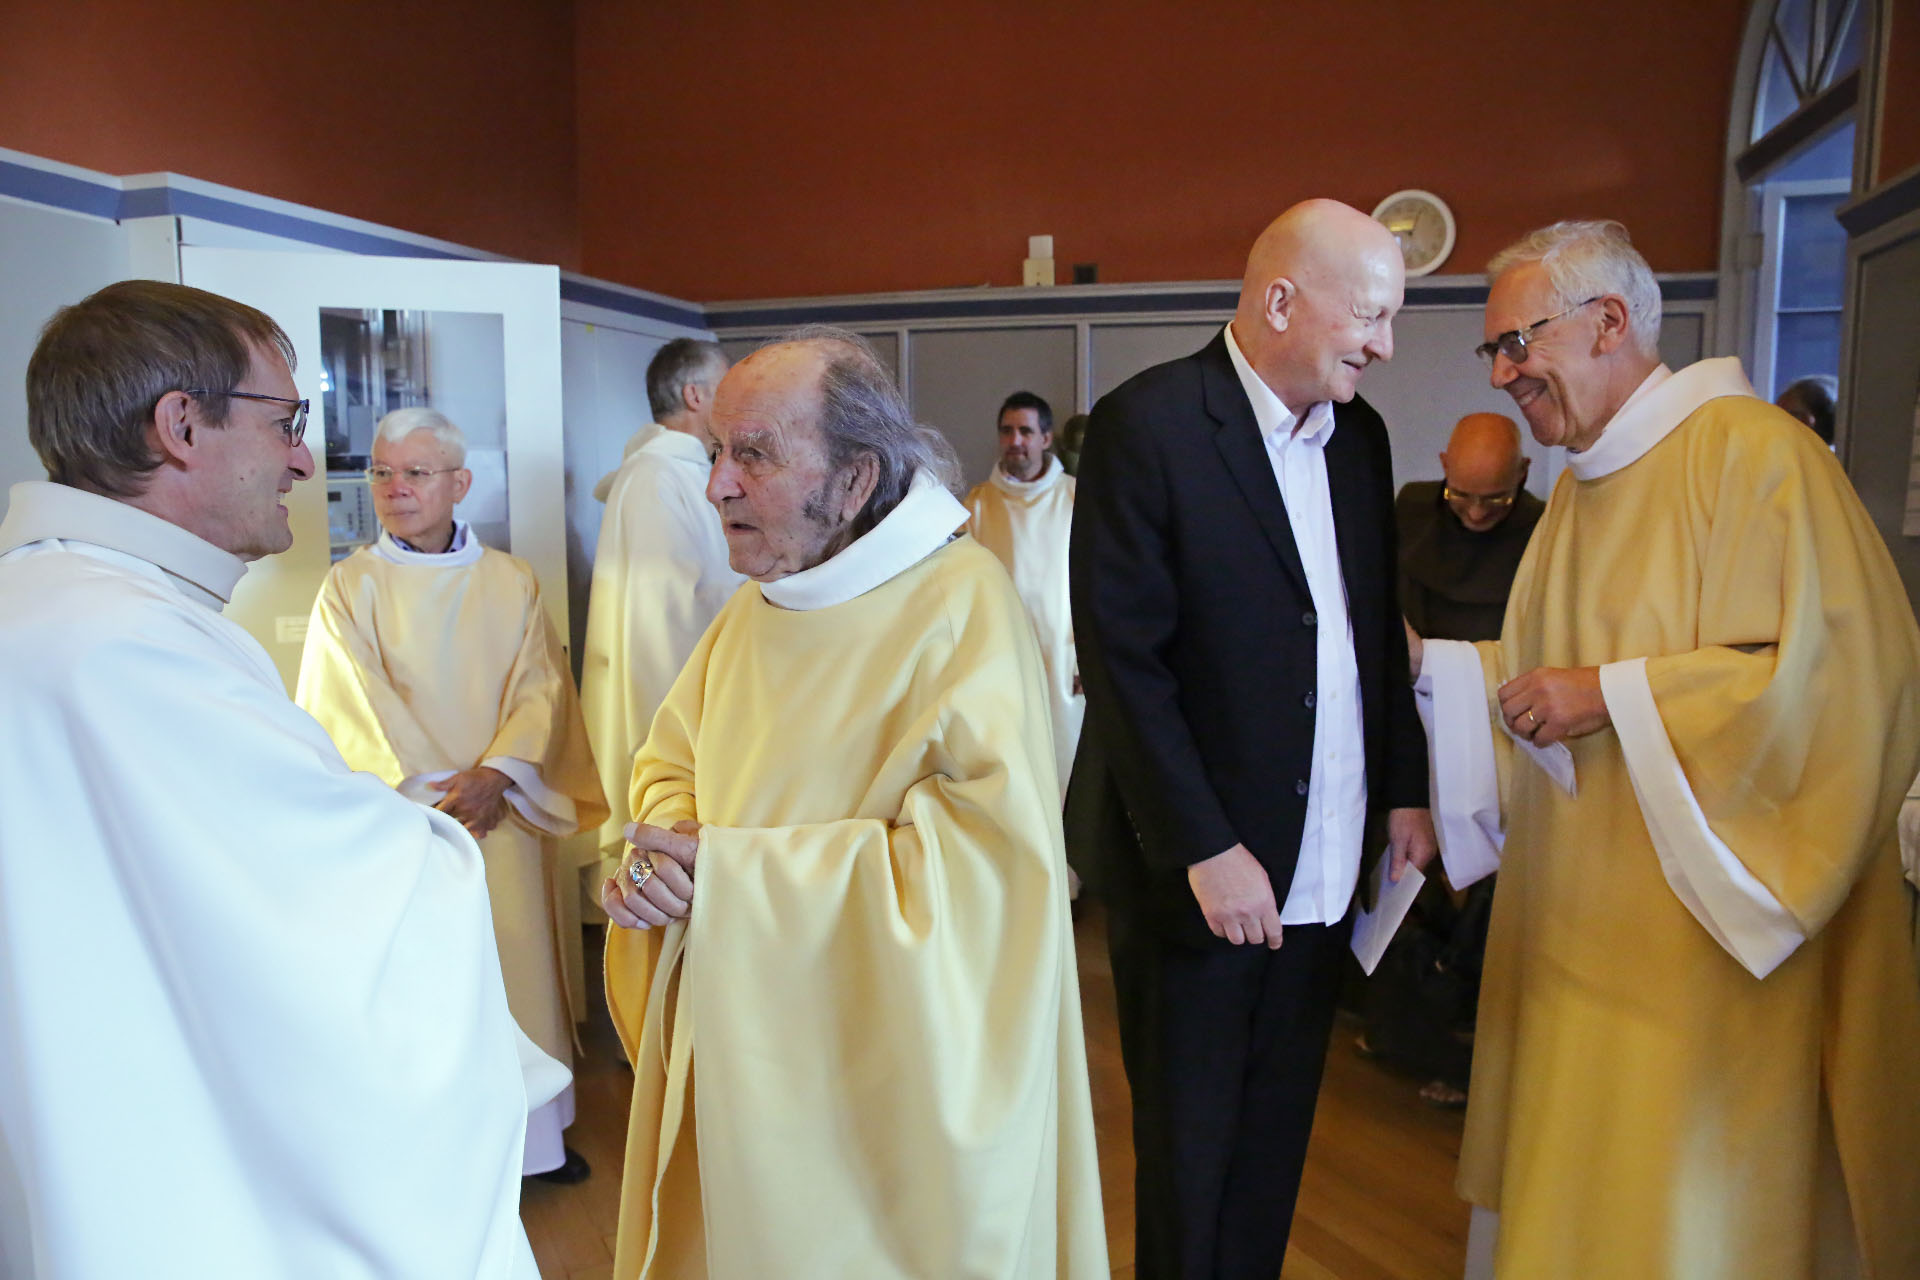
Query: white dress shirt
x,y
1329,865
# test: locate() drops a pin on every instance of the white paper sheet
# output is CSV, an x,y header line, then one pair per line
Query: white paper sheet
x,y
1373,930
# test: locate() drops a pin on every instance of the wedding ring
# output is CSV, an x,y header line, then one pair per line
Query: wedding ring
x,y
1533,717
640,870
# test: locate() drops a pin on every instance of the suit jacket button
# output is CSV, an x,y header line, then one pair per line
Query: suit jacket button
x,y
1309,619
1308,701
1300,787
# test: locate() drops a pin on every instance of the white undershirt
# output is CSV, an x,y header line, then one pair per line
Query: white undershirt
x,y
1329,864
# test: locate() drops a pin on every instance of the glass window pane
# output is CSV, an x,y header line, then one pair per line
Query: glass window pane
x,y
1777,98
1808,342
1813,252
1848,56
1830,157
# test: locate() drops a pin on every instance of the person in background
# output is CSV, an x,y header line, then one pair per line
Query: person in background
x,y
1070,439
432,664
1812,400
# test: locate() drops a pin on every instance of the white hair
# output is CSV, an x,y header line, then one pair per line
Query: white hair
x,y
1589,260
401,423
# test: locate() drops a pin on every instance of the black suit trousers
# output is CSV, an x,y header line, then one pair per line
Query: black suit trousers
x,y
1224,1048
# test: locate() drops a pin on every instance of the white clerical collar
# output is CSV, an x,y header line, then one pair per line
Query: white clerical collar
x,y
40,509
1662,402
1026,490
1275,420
677,444
922,524
465,549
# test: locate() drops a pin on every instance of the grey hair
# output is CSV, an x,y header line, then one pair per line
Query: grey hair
x,y
679,362
862,413
1589,259
401,423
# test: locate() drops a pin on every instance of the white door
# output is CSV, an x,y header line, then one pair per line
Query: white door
x,y
495,370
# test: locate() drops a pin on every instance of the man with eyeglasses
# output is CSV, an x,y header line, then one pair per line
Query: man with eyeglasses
x,y
253,1020
1698,1047
1461,537
432,663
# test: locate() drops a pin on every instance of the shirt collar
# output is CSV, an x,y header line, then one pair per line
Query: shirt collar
x,y
922,524
1050,475
465,549
676,444
40,509
1275,420
1662,401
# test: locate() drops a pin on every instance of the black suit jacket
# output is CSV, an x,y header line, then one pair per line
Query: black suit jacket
x,y
1197,638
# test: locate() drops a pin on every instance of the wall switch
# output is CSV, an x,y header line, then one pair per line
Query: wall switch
x,y
1037,271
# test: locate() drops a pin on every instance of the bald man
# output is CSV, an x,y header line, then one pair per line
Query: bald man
x,y
1461,538
1232,571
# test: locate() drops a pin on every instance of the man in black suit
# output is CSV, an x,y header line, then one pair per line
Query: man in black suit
x,y
1245,666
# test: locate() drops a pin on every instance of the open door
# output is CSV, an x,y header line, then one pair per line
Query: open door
x,y
479,341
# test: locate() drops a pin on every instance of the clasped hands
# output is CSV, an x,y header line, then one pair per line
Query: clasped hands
x,y
1236,894
667,893
476,799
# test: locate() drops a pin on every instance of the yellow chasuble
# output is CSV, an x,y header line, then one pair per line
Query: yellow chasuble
x,y
1643,1105
861,1056
437,664
1026,526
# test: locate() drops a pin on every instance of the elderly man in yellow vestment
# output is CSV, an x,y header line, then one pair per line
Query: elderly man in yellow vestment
x,y
860,1053
432,664
1699,1038
1023,514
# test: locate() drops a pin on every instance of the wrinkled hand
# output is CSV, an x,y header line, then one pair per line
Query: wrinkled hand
x,y
476,799
1416,651
1410,839
1236,897
667,894
1549,704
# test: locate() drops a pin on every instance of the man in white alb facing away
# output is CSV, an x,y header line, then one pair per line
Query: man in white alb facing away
x,y
254,1023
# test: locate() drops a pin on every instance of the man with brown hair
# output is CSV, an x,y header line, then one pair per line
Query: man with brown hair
x,y
284,1047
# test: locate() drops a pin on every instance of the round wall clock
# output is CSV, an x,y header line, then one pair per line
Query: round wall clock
x,y
1422,223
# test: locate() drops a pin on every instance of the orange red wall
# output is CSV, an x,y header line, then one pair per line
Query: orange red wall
x,y
760,148
450,118
763,148
1900,117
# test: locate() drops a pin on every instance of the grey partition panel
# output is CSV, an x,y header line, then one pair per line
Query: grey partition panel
x,y
1880,389
1683,338
960,377
1122,350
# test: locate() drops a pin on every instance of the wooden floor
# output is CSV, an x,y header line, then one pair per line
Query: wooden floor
x,y
1377,1201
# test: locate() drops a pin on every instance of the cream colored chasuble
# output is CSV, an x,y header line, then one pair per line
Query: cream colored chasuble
x,y
254,1024
1026,526
420,666
1698,1047
659,575
862,1055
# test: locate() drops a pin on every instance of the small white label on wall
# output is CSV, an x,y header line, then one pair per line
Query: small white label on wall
x,y
290,630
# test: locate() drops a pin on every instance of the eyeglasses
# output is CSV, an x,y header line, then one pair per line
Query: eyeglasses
x,y
1513,343
380,473
292,430
1499,502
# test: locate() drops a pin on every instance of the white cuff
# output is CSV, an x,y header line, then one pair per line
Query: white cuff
x,y
1713,884
1451,696
543,808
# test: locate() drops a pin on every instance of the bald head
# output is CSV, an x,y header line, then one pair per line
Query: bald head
x,y
1484,467
1322,286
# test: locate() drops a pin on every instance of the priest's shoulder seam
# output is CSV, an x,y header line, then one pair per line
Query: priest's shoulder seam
x,y
1762,442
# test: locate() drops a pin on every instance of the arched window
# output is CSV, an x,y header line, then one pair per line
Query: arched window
x,y
1791,161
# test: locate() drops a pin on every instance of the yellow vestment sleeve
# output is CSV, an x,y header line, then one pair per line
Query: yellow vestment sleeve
x,y
342,685
540,720
1796,720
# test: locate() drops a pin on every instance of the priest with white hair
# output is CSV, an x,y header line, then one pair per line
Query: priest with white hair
x,y
860,1053
432,663
1698,1045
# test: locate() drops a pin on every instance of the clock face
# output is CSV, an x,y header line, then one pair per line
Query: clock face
x,y
1423,225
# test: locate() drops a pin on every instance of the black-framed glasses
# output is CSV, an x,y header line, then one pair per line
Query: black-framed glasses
x,y
293,429
1497,502
1513,343
381,473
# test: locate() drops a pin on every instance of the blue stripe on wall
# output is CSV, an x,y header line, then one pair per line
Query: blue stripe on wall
x,y
76,195
594,295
